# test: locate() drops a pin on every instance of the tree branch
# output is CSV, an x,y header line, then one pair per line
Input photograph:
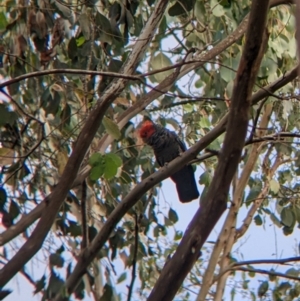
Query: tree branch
x,y
56,198
247,221
229,230
236,266
136,244
225,235
272,273
84,227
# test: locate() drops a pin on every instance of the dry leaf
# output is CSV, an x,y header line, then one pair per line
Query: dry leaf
x,y
122,101
62,159
132,96
6,156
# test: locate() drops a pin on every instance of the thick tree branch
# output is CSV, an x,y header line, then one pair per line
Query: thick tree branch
x,y
224,237
214,203
35,241
229,229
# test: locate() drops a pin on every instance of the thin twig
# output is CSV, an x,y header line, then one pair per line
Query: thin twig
x,y
83,216
256,118
136,244
184,102
260,271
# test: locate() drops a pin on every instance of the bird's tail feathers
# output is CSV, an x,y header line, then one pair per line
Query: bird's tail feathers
x,y
186,184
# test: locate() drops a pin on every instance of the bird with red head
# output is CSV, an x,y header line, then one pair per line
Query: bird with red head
x,y
167,146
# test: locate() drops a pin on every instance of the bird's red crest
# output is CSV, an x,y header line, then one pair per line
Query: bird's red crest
x,y
147,129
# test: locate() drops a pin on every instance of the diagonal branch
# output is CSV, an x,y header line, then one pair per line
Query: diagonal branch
x,y
229,224
56,198
229,228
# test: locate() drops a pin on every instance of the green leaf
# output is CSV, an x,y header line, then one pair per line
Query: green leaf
x,y
102,21
64,10
181,7
40,284
95,159
205,123
111,128
272,277
232,293
284,286
156,231
56,260
296,211
14,210
287,217
274,186
97,172
72,48
80,41
158,62
167,222
111,168
55,285
263,288
3,21
287,230
292,272
107,293
122,277
258,220
84,23
6,116
115,158
178,235
98,163
173,217
205,178
251,273
218,10
3,197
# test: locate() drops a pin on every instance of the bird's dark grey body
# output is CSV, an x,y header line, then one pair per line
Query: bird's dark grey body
x,y
167,146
